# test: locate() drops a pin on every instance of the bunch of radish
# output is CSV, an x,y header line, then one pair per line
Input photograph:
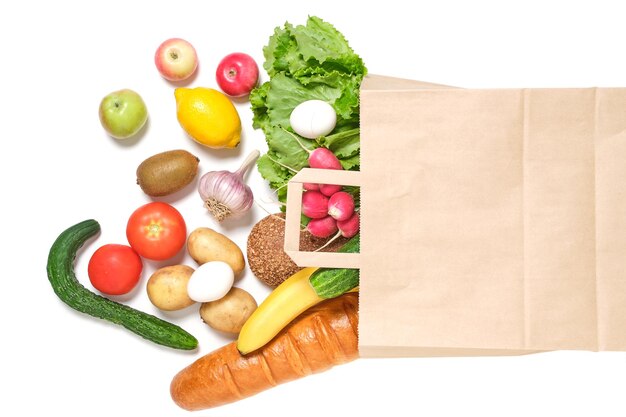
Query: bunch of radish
x,y
330,214
330,209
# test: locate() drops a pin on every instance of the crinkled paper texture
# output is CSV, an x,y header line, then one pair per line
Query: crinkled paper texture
x,y
492,221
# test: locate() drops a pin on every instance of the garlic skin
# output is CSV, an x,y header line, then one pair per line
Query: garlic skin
x,y
225,194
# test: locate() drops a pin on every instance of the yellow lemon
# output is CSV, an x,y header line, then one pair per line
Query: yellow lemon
x,y
208,116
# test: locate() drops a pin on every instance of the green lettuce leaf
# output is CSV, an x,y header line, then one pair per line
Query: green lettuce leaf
x,y
272,172
343,144
285,93
346,85
352,163
258,98
306,62
287,150
281,51
320,41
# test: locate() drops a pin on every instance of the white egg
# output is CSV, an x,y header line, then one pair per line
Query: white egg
x,y
313,118
210,281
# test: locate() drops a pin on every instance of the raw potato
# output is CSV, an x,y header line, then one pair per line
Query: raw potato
x,y
167,172
229,313
167,287
206,245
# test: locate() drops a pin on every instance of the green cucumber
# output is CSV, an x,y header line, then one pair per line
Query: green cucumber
x,y
332,282
71,292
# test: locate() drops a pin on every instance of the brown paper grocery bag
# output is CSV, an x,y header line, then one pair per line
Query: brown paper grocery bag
x,y
492,221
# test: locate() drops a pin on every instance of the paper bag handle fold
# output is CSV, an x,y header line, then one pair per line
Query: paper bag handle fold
x,y
293,216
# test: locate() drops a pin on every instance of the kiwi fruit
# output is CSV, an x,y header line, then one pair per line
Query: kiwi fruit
x,y
167,172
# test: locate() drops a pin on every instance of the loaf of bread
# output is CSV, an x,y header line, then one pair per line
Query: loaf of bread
x,y
323,336
266,256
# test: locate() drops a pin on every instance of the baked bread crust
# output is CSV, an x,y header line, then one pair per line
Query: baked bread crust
x,y
322,337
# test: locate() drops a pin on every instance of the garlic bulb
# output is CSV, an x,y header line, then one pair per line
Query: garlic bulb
x,y
225,194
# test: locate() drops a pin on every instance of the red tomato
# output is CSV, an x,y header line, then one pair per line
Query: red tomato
x,y
114,269
156,231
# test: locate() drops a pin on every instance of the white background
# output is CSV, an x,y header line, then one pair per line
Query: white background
x,y
58,167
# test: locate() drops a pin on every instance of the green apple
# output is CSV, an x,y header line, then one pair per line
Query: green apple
x,y
123,113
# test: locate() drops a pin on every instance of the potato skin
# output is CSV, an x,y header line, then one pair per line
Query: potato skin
x,y
167,172
206,245
229,313
167,287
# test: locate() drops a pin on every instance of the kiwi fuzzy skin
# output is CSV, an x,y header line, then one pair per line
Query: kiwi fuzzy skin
x,y
167,172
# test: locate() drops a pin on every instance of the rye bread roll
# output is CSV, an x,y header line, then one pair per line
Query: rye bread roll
x,y
266,257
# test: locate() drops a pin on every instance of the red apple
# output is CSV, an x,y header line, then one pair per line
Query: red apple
x,y
237,74
176,59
